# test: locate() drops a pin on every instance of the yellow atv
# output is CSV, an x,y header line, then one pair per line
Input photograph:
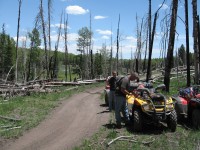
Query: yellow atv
x,y
149,106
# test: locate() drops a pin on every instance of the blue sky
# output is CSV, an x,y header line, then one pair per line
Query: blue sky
x,y
105,15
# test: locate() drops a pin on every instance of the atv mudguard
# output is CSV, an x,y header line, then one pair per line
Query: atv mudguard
x,y
194,103
181,106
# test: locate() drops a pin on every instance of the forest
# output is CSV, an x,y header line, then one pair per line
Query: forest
x,y
31,62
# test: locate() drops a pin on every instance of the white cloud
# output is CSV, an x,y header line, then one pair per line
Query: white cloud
x,y
131,38
164,6
58,26
76,10
104,32
20,39
41,46
105,37
100,17
70,37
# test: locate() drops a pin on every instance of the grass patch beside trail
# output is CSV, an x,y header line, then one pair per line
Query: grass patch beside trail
x,y
31,110
185,138
152,138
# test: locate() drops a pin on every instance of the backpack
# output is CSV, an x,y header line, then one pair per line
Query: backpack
x,y
118,86
187,92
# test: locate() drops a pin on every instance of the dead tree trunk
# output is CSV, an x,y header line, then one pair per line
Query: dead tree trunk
x,y
139,44
18,26
55,68
111,53
117,54
169,61
66,47
151,48
44,37
149,24
187,43
49,29
145,55
198,28
194,4
90,50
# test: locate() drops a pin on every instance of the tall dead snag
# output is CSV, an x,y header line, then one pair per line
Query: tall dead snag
x,y
169,60
149,58
151,48
55,67
187,43
111,52
117,54
198,28
151,38
41,15
194,5
49,29
164,41
90,50
66,47
139,44
146,47
18,26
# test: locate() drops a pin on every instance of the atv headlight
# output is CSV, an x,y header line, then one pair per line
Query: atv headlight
x,y
170,106
146,107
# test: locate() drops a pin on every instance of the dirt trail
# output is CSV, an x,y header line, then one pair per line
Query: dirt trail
x,y
74,120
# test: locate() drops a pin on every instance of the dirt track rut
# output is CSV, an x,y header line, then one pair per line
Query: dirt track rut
x,y
75,119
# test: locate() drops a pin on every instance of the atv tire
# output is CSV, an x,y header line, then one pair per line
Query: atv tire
x,y
137,120
196,119
172,121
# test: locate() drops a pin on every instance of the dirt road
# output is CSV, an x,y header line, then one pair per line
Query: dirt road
x,y
75,119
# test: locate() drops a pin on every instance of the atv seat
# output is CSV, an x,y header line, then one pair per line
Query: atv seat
x,y
156,97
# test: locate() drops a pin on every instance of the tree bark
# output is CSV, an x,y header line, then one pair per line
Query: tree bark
x,y
187,43
117,54
194,4
169,61
55,68
149,24
18,26
44,37
66,46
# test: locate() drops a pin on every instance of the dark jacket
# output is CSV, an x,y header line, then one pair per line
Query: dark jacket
x,y
112,83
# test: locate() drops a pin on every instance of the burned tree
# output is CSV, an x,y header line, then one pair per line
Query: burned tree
x,y
18,26
66,47
169,60
195,36
117,54
55,66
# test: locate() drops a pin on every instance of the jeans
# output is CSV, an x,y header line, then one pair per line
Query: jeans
x,y
121,106
111,99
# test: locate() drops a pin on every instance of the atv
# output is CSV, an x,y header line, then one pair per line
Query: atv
x,y
147,106
187,105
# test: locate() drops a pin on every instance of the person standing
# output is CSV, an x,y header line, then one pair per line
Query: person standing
x,y
112,82
120,102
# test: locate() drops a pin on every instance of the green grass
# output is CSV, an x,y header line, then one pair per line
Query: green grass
x,y
31,110
61,74
185,138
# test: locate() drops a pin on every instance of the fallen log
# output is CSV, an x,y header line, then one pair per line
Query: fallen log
x,y
63,83
9,118
118,139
